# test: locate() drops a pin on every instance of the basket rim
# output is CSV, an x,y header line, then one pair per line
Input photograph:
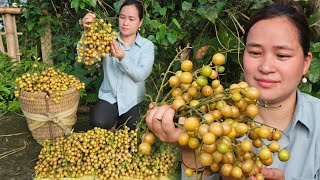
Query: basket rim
x,y
70,89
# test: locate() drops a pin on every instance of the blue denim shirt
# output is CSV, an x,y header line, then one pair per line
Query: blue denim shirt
x,y
303,142
123,80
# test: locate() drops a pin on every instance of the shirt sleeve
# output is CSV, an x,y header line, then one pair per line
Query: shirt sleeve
x,y
141,69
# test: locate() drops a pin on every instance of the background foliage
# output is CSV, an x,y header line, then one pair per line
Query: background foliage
x,y
215,24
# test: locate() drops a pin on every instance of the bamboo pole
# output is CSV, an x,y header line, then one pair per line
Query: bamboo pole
x,y
1,44
8,10
17,55
4,33
11,33
10,36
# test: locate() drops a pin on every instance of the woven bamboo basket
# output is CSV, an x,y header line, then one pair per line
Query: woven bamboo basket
x,y
47,119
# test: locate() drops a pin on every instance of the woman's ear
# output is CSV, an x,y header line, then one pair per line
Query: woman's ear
x,y
307,62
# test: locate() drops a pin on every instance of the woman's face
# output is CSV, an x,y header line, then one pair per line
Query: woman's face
x,y
273,59
129,21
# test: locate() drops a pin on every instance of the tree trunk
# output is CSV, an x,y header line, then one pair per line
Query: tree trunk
x,y
46,45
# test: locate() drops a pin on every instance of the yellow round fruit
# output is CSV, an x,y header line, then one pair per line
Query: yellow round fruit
x,y
186,65
218,59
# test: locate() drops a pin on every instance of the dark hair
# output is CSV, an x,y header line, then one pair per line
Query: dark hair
x,y
137,3
290,10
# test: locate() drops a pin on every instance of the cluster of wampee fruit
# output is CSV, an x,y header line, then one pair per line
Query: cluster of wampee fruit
x,y
95,44
220,125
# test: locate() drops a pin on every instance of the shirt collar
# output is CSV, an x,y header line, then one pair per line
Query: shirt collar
x,y
137,41
299,115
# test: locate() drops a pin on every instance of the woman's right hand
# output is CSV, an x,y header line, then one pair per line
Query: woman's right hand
x,y
87,20
160,121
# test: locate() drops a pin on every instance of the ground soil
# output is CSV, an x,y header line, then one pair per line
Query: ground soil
x,y
14,134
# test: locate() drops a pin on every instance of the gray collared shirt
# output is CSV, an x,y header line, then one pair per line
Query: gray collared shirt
x,y
303,142
123,81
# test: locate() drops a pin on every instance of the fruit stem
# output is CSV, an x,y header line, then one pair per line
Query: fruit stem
x,y
169,93
270,127
176,58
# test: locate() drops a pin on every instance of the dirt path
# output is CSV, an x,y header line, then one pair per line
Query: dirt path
x,y
15,136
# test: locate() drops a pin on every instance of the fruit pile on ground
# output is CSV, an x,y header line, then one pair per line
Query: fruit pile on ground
x,y
104,154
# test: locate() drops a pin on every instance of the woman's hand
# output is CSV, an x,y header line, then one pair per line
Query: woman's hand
x,y
160,121
116,51
268,174
273,174
87,20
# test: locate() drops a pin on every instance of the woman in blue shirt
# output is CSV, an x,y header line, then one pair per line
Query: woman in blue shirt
x,y
123,86
276,58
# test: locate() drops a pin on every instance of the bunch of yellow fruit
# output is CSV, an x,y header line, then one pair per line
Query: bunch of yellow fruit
x,y
220,125
94,45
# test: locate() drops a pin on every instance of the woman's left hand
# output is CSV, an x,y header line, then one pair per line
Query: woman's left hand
x,y
160,121
268,174
273,174
116,51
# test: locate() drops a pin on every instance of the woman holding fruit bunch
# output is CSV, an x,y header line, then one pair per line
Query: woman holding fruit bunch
x,y
276,58
125,71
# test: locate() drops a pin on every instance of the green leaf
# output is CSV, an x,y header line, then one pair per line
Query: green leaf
x,y
201,11
3,105
317,94
93,3
163,11
306,88
117,6
259,4
202,2
172,37
314,73
4,89
171,5
26,14
210,13
82,5
315,47
314,19
91,98
38,11
14,106
186,6
174,20
75,4
220,6
152,38
156,8
154,24
161,34
223,35
30,25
